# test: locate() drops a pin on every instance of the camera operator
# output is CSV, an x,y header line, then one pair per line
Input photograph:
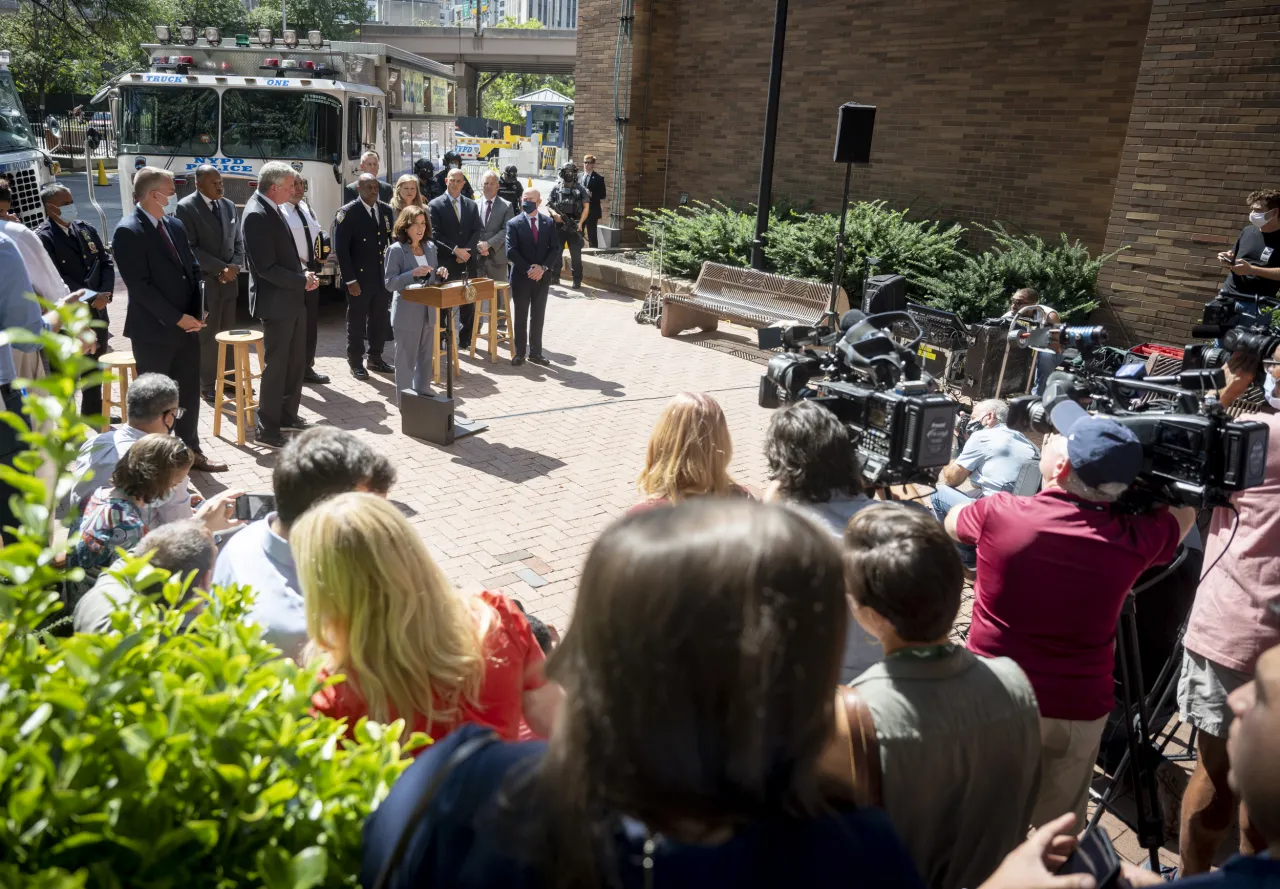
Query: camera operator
x,y
1053,572
1046,362
1235,618
991,460
569,204
1254,261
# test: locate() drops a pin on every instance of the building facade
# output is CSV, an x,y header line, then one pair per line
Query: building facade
x,y
1140,124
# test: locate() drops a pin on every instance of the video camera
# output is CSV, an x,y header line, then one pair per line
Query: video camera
x,y
1194,454
902,427
1235,330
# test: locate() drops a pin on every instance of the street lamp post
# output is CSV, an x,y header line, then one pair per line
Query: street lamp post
x,y
770,135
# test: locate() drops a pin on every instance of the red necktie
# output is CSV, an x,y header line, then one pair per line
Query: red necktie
x,y
168,242
533,223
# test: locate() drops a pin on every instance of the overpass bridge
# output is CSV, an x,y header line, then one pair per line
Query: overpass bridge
x,y
491,50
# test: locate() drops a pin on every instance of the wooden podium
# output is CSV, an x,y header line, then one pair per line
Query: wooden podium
x,y
431,416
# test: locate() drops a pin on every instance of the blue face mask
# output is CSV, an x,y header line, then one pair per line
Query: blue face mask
x,y
528,206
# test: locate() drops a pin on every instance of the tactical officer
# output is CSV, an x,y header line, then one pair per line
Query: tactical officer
x,y
569,204
361,233
426,173
452,161
509,187
82,261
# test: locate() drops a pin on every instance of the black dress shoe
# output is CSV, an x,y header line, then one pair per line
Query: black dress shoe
x,y
298,425
380,366
207,395
517,360
358,371
266,440
312,377
540,359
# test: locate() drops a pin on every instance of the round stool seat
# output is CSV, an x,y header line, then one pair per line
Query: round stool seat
x,y
117,359
239,336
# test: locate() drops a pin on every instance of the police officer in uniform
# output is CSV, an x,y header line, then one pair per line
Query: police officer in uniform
x,y
452,161
427,184
82,261
568,205
509,187
361,233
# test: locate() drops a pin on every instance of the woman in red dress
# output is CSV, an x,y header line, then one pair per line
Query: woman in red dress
x,y
381,613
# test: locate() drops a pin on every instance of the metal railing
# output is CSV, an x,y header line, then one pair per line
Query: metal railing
x,y
65,133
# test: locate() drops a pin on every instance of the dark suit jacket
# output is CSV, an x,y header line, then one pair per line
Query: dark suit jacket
x,y
351,193
448,232
523,253
277,281
361,242
81,261
596,188
161,289
215,246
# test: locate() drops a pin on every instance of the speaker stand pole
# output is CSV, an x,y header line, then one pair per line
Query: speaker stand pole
x,y
765,198
835,280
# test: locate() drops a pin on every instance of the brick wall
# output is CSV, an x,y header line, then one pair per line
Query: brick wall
x,y
1006,110
1203,134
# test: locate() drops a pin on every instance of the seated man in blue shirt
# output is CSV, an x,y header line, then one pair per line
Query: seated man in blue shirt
x,y
317,464
991,460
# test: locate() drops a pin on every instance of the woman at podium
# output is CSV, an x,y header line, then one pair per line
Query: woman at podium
x,y
411,261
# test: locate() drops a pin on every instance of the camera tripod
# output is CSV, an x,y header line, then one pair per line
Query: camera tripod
x,y
1141,755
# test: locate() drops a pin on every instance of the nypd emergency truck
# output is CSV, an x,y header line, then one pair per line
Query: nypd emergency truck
x,y
26,166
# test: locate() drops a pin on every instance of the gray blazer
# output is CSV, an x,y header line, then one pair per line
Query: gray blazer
x,y
277,282
495,264
399,263
215,248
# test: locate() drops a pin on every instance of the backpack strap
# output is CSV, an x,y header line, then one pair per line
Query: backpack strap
x,y
864,749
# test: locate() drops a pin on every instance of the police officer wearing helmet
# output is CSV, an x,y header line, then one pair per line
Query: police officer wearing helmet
x,y
452,161
509,187
426,173
568,205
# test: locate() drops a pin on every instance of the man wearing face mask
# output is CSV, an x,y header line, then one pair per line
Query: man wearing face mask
x,y
1254,261
83,263
533,246
165,314
1235,618
991,461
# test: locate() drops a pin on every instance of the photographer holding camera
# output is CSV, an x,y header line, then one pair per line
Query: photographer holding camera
x,y
1235,618
569,204
1053,572
1254,261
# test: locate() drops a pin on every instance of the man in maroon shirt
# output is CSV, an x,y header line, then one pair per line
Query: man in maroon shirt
x,y
1053,573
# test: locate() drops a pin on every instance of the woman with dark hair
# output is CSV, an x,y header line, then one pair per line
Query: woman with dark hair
x,y
813,465
698,675
411,261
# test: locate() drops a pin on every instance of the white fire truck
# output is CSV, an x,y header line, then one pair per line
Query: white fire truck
x,y
27,167
238,103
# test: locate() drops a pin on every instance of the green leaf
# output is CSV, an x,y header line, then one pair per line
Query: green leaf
x,y
37,719
279,792
309,867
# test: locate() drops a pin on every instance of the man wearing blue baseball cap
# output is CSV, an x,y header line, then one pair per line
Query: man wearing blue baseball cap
x,y
1053,573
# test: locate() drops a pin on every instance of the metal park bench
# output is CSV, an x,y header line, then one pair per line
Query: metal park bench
x,y
746,296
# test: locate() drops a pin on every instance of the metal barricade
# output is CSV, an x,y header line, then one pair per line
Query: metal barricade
x,y
66,133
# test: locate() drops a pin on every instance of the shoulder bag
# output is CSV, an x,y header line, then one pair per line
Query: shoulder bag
x,y
864,749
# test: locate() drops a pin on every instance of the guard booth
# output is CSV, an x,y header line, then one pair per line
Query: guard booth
x,y
548,114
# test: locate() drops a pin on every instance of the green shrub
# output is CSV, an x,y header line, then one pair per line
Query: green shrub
x,y
701,233
806,247
178,749
1064,274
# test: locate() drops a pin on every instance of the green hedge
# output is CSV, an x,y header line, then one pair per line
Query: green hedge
x,y
175,751
940,271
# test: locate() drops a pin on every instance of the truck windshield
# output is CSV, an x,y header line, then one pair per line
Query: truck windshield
x,y
281,124
168,120
15,132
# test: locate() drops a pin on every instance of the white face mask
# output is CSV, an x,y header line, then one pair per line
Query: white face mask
x,y
171,205
67,213
1260,219
1269,387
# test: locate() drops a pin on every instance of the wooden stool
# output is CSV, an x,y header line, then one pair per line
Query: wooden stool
x,y
497,309
240,376
436,364
126,369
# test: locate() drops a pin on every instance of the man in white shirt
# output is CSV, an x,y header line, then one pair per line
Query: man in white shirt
x,y
306,231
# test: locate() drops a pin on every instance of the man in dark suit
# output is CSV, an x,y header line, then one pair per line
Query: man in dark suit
x,y
278,286
210,221
594,183
82,262
455,227
369,163
361,233
533,246
164,317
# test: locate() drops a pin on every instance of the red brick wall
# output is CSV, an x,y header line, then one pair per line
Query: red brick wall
x,y
1205,131
1005,110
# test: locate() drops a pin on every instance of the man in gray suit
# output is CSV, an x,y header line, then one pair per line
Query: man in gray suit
x,y
210,221
278,285
495,213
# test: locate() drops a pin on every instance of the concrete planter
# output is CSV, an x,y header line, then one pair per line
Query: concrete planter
x,y
608,237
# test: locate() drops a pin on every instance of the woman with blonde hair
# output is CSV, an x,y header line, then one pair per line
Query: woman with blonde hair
x,y
689,453
381,613
407,194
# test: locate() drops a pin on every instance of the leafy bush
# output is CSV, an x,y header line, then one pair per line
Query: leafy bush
x,y
806,247
701,233
1064,274
176,750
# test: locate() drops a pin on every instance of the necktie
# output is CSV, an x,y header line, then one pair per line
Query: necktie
x,y
311,249
533,224
488,207
217,217
168,242
456,210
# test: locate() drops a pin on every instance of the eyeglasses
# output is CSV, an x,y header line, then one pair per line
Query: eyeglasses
x,y
178,412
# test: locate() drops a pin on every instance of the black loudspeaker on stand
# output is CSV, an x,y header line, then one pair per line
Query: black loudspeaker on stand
x,y
853,146
431,417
